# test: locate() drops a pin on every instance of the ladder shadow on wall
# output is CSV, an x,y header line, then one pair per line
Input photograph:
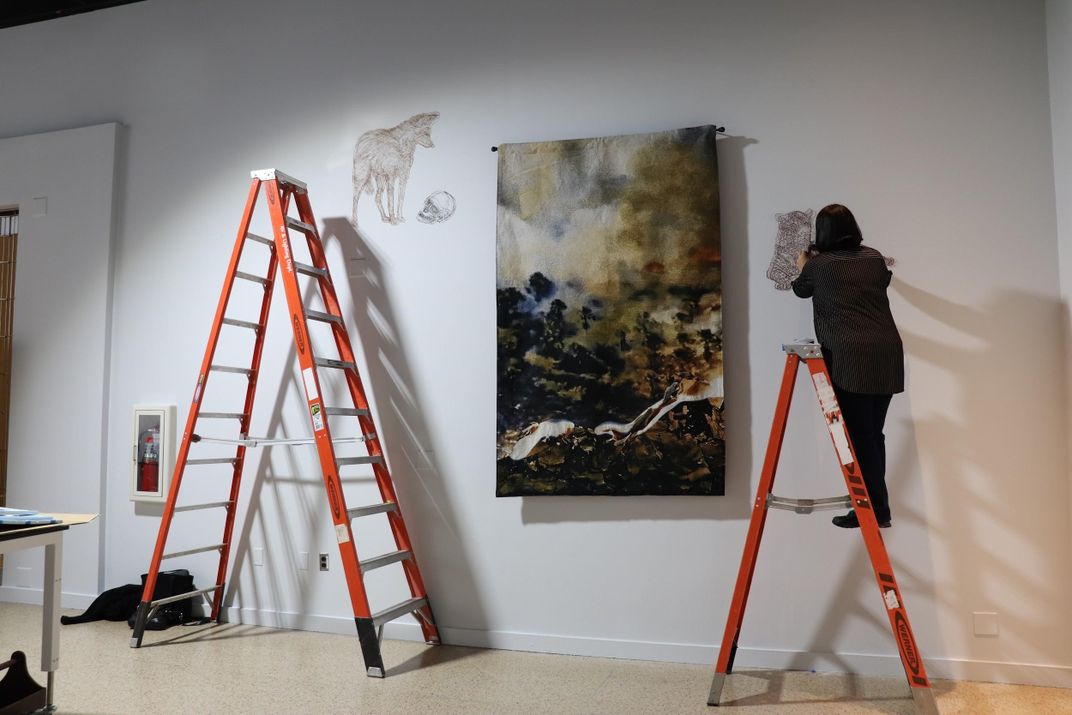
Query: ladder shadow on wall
x,y
299,530
429,508
736,503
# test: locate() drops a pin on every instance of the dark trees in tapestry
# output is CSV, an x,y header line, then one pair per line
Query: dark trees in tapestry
x,y
610,317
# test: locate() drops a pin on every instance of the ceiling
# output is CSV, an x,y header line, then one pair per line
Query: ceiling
x,y
23,12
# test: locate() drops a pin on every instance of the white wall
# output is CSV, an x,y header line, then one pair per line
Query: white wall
x,y
62,183
931,120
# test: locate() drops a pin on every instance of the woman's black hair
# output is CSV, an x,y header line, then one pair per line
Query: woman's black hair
x,y
836,229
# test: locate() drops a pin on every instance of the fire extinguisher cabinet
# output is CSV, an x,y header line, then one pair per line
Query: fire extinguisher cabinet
x,y
154,452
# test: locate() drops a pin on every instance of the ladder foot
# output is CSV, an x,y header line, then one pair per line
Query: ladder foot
x,y
140,620
370,647
717,684
924,700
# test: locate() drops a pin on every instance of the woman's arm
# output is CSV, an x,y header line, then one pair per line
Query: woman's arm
x,y
804,285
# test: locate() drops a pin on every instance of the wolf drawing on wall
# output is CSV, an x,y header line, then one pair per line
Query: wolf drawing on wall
x,y
382,160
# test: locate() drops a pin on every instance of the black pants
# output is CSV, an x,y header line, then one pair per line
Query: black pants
x,y
865,416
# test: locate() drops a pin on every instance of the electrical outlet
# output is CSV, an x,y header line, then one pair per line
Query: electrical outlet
x,y
323,562
303,560
258,556
986,623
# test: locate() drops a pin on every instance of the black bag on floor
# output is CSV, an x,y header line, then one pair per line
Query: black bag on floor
x,y
169,583
115,604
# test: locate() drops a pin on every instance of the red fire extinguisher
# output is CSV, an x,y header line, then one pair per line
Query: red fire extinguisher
x,y
149,467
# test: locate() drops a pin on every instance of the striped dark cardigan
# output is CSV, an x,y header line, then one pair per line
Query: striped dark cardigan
x,y
853,322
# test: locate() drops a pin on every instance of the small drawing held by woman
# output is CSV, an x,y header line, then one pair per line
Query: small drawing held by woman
x,y
847,283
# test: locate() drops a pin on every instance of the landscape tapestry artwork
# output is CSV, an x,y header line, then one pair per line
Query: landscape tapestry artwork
x,y
609,292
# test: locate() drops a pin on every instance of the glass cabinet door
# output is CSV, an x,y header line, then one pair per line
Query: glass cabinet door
x,y
153,449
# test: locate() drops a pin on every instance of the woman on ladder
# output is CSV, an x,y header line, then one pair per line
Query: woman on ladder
x,y
847,283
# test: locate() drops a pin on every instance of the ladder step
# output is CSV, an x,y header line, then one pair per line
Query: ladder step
x,y
182,596
322,317
371,509
213,460
222,415
250,277
187,552
343,461
195,507
327,362
260,239
300,225
413,604
241,323
227,368
384,560
345,412
310,270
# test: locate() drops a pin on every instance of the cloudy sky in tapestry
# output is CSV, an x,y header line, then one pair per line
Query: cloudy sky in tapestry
x,y
609,294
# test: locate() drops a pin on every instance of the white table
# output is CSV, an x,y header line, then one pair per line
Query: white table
x,y
51,537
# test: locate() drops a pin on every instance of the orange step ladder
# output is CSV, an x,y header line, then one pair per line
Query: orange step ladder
x,y
811,355
281,193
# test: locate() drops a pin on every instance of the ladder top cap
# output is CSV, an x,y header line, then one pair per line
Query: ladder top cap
x,y
275,174
804,348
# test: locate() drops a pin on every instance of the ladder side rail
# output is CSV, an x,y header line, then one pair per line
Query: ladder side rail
x,y
360,400
315,402
195,408
240,451
728,650
911,659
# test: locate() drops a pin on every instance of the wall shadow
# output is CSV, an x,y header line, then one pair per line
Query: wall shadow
x,y
987,468
736,504
429,509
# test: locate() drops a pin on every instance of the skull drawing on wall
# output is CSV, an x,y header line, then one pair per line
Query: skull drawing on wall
x,y
438,207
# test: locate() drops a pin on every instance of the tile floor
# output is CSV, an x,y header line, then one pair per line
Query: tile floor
x,y
236,669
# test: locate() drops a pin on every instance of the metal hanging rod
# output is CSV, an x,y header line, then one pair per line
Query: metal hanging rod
x,y
718,130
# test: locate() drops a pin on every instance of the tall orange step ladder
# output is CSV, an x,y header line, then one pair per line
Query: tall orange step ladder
x,y
281,192
811,355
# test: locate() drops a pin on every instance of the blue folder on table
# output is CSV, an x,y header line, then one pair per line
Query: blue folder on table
x,y
24,517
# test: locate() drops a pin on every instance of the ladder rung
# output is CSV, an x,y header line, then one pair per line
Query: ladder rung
x,y
340,364
213,460
413,604
222,415
343,461
260,239
227,368
241,323
807,506
182,596
371,509
195,507
323,317
345,412
385,560
310,270
251,277
215,547
300,225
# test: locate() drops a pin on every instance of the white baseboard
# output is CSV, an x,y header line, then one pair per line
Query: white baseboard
x,y
36,596
860,663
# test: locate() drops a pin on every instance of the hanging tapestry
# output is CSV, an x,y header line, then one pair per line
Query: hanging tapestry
x,y
609,292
